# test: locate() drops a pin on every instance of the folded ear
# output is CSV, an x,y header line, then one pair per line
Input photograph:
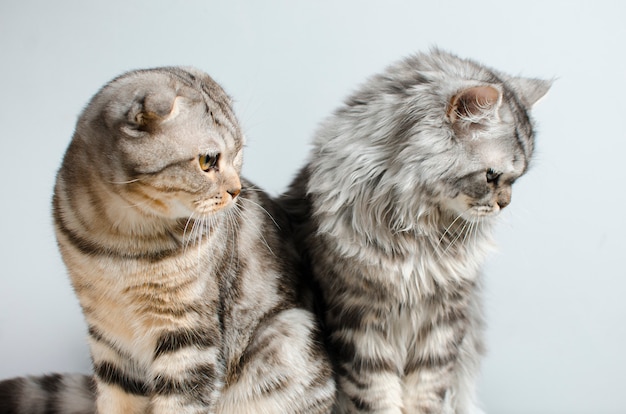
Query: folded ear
x,y
530,90
474,104
154,108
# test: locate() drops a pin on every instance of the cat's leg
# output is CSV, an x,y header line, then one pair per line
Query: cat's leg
x,y
444,383
187,372
115,400
441,370
466,371
121,387
368,378
283,370
427,390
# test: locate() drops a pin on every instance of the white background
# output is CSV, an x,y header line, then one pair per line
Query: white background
x,y
555,292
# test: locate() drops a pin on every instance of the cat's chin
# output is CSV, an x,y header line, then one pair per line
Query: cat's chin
x,y
478,214
463,208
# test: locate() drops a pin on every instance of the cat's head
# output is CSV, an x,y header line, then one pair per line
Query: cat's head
x,y
165,140
492,144
433,134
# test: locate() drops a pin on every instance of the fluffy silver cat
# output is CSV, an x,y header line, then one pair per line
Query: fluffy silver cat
x,y
396,207
185,273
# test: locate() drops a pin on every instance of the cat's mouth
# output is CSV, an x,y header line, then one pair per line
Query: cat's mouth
x,y
210,206
480,212
469,210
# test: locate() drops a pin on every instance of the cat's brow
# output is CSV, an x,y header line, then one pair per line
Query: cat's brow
x,y
138,171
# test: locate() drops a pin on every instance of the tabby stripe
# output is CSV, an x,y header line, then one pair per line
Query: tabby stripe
x,y
199,383
523,146
110,374
322,376
269,386
351,317
522,120
51,384
347,352
254,348
361,404
430,362
373,364
224,107
92,249
348,375
190,80
170,287
99,337
164,310
452,316
90,384
320,405
11,392
173,341
95,334
134,172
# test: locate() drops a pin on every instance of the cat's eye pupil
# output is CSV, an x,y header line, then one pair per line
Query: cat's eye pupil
x,y
209,162
492,175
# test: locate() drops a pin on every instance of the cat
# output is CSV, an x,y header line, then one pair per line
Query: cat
x,y
394,210
184,271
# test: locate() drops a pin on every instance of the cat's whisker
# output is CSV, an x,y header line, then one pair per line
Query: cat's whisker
x,y
136,205
478,229
448,228
472,227
231,219
202,230
448,231
185,239
124,182
262,208
258,231
453,243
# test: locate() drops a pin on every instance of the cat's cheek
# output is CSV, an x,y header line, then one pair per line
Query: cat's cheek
x,y
180,210
458,206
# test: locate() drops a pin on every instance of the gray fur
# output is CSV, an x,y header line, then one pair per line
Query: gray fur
x,y
186,274
395,210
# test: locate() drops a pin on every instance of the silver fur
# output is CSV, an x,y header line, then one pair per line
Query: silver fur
x,y
396,207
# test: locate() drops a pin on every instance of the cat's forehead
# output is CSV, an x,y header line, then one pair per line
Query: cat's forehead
x,y
501,152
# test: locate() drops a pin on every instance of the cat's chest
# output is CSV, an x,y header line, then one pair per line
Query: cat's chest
x,y
132,300
137,287
424,274
409,278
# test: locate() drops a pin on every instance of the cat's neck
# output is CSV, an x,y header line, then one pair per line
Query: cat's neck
x,y
96,212
438,239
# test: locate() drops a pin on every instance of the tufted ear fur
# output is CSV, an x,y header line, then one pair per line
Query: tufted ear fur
x,y
474,104
530,90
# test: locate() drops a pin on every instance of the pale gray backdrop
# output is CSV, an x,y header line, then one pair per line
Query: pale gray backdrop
x,y
555,292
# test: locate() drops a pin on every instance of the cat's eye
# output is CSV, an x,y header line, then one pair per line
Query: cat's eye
x,y
492,175
209,162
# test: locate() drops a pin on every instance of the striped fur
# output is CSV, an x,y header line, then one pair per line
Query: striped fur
x,y
395,209
185,273
67,394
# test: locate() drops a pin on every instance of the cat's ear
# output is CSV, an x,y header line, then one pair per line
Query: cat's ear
x,y
154,108
529,90
474,104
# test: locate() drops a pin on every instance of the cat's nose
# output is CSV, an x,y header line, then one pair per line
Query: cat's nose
x,y
504,197
234,192
504,201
